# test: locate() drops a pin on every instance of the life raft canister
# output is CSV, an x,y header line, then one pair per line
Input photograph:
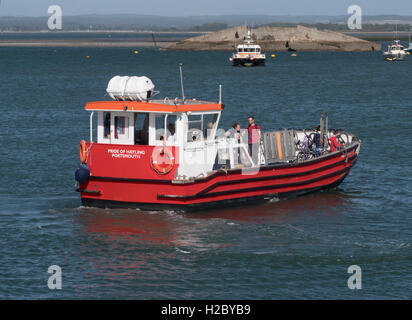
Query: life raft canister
x,y
162,160
83,151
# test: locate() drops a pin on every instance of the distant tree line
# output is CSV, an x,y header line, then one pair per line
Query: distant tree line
x,y
123,23
210,27
110,22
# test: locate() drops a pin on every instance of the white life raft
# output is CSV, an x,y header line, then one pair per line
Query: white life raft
x,y
130,88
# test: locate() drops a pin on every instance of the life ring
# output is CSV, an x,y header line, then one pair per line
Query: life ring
x,y
83,151
162,160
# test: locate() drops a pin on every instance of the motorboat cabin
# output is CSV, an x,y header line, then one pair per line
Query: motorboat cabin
x,y
248,54
395,51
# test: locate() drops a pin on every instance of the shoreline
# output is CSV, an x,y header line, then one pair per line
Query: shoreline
x,y
161,41
161,45
168,42
379,35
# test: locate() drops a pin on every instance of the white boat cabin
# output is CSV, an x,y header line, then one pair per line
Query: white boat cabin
x,y
248,48
396,46
190,125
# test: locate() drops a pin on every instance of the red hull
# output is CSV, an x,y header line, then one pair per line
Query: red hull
x,y
126,179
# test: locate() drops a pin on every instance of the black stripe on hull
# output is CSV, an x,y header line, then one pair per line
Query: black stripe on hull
x,y
209,205
248,62
206,192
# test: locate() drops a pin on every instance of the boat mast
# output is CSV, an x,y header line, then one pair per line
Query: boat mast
x,y
248,37
181,82
154,40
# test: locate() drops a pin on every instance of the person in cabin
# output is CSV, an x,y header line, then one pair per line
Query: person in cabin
x,y
171,134
254,136
208,131
334,144
107,125
317,146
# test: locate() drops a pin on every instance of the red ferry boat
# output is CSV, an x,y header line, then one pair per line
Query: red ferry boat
x,y
169,154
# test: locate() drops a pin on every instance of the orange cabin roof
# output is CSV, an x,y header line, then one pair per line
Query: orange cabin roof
x,y
153,106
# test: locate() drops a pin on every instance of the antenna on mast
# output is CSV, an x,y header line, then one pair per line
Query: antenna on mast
x,y
154,40
181,82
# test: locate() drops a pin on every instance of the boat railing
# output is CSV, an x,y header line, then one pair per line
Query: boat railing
x,y
179,101
231,146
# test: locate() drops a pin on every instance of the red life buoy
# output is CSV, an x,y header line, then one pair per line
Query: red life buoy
x,y
162,160
83,151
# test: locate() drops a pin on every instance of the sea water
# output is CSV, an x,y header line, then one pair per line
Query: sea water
x,y
293,249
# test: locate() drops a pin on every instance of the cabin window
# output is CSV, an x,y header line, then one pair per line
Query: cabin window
x,y
160,126
209,123
195,127
195,121
240,49
106,125
201,126
141,125
165,125
121,127
171,128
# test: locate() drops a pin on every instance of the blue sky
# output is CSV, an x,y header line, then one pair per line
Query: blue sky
x,y
204,7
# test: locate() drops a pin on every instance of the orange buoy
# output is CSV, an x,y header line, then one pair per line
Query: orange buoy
x,y
83,151
162,160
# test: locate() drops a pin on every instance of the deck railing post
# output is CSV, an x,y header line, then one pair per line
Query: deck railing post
x,y
231,158
91,126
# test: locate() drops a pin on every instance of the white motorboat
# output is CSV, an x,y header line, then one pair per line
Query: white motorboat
x,y
395,52
248,54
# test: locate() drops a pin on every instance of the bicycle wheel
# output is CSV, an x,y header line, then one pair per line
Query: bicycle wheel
x,y
342,138
302,156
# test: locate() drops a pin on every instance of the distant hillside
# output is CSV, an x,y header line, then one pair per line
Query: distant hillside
x,y
298,38
199,23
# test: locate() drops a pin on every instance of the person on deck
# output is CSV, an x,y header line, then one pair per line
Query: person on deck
x,y
334,144
254,136
317,146
234,133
